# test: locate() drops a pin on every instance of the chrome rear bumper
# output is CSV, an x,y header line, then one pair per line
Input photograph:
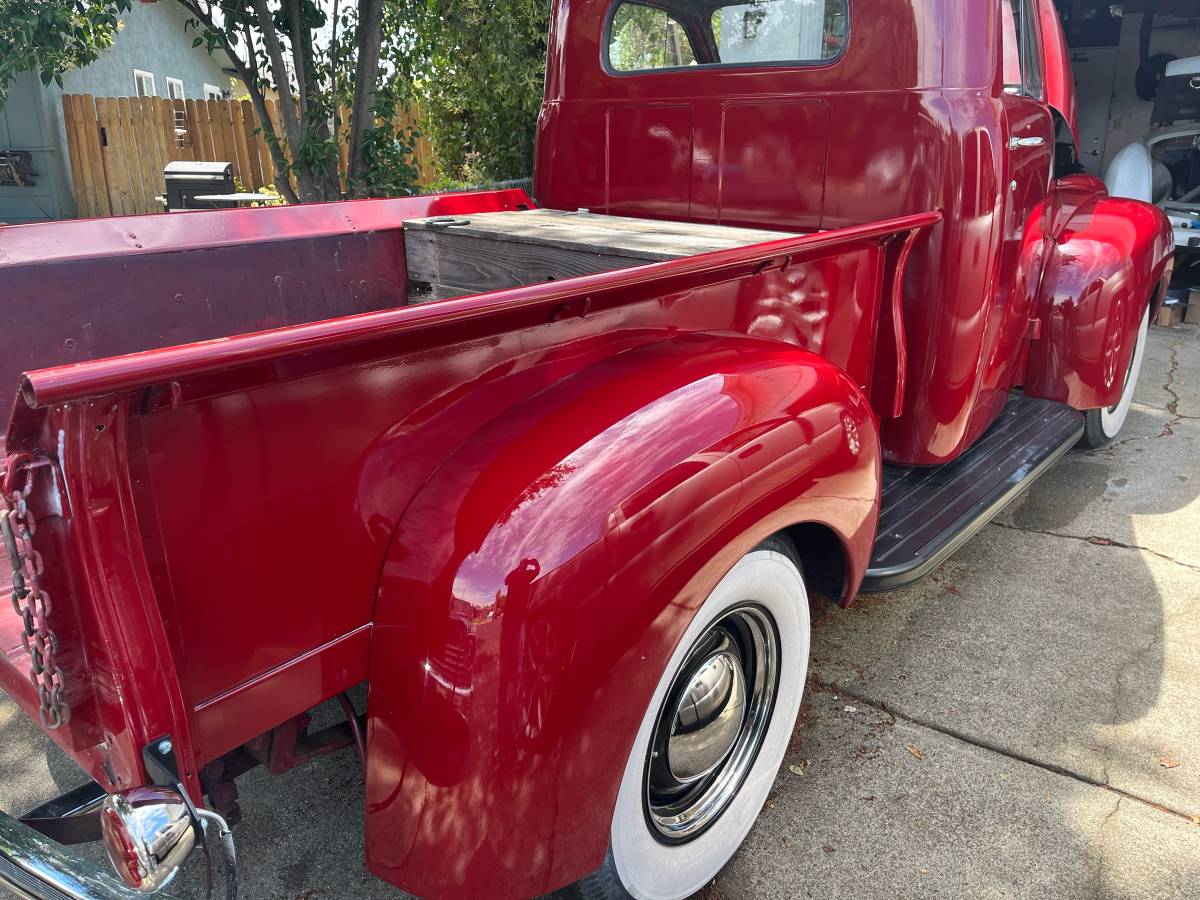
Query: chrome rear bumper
x,y
35,866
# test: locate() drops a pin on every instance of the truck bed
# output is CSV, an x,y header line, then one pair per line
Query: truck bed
x,y
234,492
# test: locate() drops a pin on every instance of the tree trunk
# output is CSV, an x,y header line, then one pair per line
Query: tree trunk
x,y
305,187
370,35
248,72
314,116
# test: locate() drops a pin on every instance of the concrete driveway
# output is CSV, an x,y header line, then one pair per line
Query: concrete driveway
x,y
1024,723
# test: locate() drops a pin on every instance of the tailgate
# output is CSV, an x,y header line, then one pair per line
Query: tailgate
x,y
84,656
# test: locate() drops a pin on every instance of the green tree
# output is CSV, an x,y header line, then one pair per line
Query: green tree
x,y
50,37
324,62
477,68
329,64
647,38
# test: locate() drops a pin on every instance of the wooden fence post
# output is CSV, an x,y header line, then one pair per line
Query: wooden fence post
x,y
260,167
134,157
83,137
79,187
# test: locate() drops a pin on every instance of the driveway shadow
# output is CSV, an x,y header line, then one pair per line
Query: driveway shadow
x,y
1064,638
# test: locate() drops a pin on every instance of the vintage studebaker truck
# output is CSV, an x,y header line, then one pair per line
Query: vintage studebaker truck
x,y
810,290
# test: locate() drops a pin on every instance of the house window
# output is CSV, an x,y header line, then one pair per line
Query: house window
x,y
212,92
174,88
143,84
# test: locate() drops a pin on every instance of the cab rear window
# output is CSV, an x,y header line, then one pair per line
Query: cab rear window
x,y
676,34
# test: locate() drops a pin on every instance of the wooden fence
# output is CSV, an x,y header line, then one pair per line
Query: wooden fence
x,y
118,147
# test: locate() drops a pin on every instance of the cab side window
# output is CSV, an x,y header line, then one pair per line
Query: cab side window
x,y
1020,43
646,37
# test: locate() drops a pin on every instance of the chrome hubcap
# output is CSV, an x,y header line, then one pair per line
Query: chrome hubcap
x,y
708,717
711,724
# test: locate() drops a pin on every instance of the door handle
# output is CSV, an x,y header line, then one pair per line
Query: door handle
x,y
1014,143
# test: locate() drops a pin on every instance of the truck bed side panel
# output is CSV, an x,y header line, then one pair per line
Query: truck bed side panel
x,y
276,502
91,288
267,472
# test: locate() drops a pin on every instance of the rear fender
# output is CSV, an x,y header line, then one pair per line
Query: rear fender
x,y
1108,260
541,578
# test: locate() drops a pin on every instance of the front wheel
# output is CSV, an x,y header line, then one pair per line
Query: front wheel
x,y
713,736
1102,425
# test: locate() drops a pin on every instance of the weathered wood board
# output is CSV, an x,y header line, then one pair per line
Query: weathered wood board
x,y
452,257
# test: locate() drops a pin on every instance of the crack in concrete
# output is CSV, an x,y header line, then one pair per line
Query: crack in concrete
x,y
1098,541
1098,875
980,743
1118,695
1172,409
1169,386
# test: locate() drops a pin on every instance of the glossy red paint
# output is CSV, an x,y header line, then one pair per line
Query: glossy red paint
x,y
1108,260
122,683
912,116
256,538
236,716
515,650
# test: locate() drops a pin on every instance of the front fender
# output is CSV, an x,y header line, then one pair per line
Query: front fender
x,y
1109,259
1130,174
540,580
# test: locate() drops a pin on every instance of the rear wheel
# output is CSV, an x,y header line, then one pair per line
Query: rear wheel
x,y
1102,425
713,736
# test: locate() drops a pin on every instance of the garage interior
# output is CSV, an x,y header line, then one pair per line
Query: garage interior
x,y
1119,53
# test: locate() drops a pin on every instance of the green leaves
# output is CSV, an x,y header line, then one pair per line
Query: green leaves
x,y
476,67
50,37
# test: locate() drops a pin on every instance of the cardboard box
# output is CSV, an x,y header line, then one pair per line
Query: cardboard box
x,y
1169,315
1191,312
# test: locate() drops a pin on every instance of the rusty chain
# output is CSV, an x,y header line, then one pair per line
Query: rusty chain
x,y
30,601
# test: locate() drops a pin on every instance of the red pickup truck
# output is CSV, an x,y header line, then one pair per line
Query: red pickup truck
x,y
811,290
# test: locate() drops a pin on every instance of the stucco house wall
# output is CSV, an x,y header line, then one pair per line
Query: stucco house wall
x,y
27,124
152,39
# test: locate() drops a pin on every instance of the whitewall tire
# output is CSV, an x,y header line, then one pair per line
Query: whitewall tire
x,y
701,768
1102,425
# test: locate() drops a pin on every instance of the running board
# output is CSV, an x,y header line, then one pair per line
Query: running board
x,y
928,513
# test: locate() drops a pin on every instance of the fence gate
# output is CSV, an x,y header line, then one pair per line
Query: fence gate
x,y
118,147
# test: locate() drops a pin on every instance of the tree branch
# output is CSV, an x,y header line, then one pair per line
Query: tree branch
x,y
284,86
298,61
333,79
369,38
260,108
248,73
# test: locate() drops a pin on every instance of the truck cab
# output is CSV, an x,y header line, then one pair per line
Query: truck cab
x,y
718,113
